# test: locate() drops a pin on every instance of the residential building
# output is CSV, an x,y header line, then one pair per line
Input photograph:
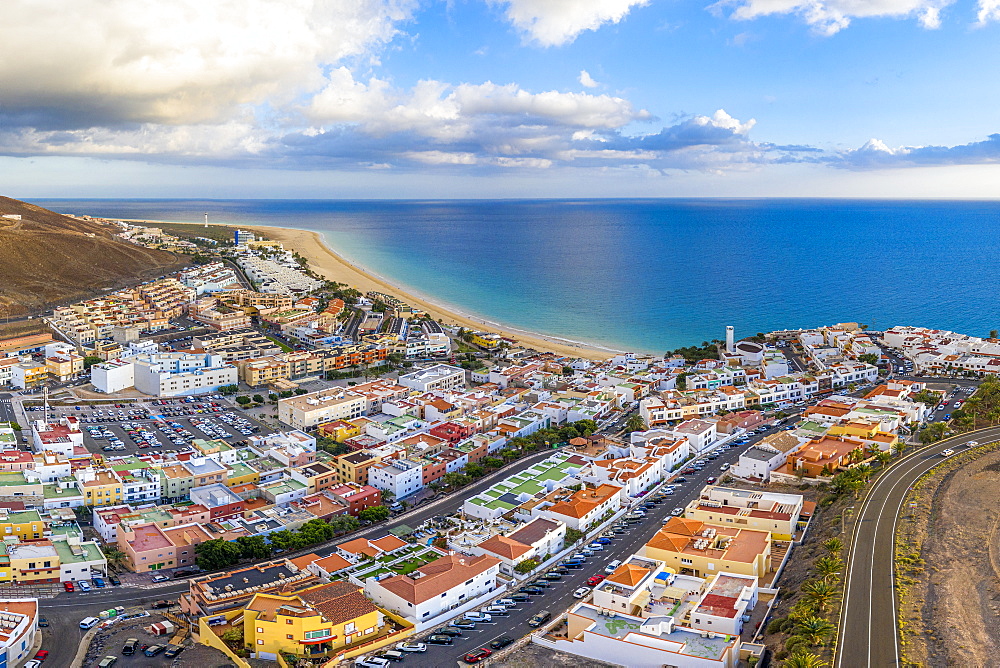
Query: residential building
x,y
752,509
113,376
182,374
696,548
440,377
535,540
582,509
437,587
308,410
19,630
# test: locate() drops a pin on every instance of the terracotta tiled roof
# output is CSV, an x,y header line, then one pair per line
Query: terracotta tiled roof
x,y
628,575
504,546
338,602
438,577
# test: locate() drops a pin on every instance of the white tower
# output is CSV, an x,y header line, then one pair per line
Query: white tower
x,y
729,339
206,221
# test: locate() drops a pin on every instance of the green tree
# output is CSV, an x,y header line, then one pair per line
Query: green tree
x,y
829,567
216,553
253,547
993,333
814,629
869,358
374,514
635,423
90,361
821,593
115,557
804,659
315,531
243,400
491,462
833,545
344,523
526,566
229,390
933,432
456,479
475,470
258,398
573,536
234,637
282,540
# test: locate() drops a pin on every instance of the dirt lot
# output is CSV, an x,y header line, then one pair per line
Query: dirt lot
x,y
110,642
951,598
535,656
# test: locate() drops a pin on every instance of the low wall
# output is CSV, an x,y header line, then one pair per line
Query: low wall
x,y
207,637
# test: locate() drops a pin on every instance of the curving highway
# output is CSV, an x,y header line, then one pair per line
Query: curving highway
x,y
868,631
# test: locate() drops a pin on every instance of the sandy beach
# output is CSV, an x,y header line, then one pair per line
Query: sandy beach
x,y
323,260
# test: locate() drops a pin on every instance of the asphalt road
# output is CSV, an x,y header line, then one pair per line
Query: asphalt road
x,y
868,630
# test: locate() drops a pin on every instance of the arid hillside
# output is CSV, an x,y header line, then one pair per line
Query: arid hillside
x,y
47,259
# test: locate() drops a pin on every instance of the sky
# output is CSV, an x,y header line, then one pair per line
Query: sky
x,y
500,98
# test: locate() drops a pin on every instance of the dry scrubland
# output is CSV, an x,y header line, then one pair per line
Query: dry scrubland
x,y
948,563
48,259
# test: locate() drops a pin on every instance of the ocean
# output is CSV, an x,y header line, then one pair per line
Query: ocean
x,y
653,275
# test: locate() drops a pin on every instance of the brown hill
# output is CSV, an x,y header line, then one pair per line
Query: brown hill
x,y
48,259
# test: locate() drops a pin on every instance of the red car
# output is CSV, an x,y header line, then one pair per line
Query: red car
x,y
594,579
710,480
477,655
41,655
68,586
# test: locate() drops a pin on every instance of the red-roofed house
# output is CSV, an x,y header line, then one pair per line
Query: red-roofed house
x,y
728,598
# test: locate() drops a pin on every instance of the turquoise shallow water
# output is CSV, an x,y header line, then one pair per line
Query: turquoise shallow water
x,y
651,275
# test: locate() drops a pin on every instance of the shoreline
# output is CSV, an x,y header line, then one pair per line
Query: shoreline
x,y
322,259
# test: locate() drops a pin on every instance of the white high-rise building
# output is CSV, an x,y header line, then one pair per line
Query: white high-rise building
x,y
730,335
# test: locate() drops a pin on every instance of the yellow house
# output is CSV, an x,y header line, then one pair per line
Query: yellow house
x,y
34,563
25,524
485,340
241,474
691,547
102,489
869,433
339,430
315,622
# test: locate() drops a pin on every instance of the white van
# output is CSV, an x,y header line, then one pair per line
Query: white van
x,y
89,622
478,617
613,566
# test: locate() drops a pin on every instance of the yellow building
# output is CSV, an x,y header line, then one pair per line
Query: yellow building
x,y
485,340
101,488
241,474
34,563
339,430
25,524
691,547
315,622
6,573
870,433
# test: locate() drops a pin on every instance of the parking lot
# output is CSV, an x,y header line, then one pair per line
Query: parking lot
x,y
160,424
110,642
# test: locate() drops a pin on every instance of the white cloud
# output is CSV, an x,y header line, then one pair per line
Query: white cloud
x,y
587,80
558,22
989,10
830,16
177,62
442,158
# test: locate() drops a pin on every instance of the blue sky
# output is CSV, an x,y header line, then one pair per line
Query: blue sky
x,y
511,98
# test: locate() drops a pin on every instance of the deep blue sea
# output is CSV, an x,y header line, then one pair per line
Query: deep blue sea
x,y
652,275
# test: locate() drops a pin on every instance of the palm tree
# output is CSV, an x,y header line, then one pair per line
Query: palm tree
x,y
815,630
883,457
833,546
804,660
829,567
115,557
821,593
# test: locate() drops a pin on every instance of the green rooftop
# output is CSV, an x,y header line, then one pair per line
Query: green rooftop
x,y
53,491
86,552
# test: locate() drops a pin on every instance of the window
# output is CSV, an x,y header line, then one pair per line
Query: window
x,y
288,621
686,561
260,641
260,630
321,633
349,627
288,635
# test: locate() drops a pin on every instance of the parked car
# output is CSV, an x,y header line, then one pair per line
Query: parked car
x,y
42,655
445,631
106,662
160,578
462,624
42,622
552,576
411,647
477,655
533,591
372,662
540,619
153,650
89,622
99,582
157,605
610,568
440,639
83,585
506,602
113,579
68,586
520,598
581,592
478,616
594,580
173,650
128,649
501,642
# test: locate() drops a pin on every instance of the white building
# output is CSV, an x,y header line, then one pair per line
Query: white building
x,y
309,410
700,433
181,374
17,635
437,377
211,277
436,588
402,477
534,540
113,376
63,436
